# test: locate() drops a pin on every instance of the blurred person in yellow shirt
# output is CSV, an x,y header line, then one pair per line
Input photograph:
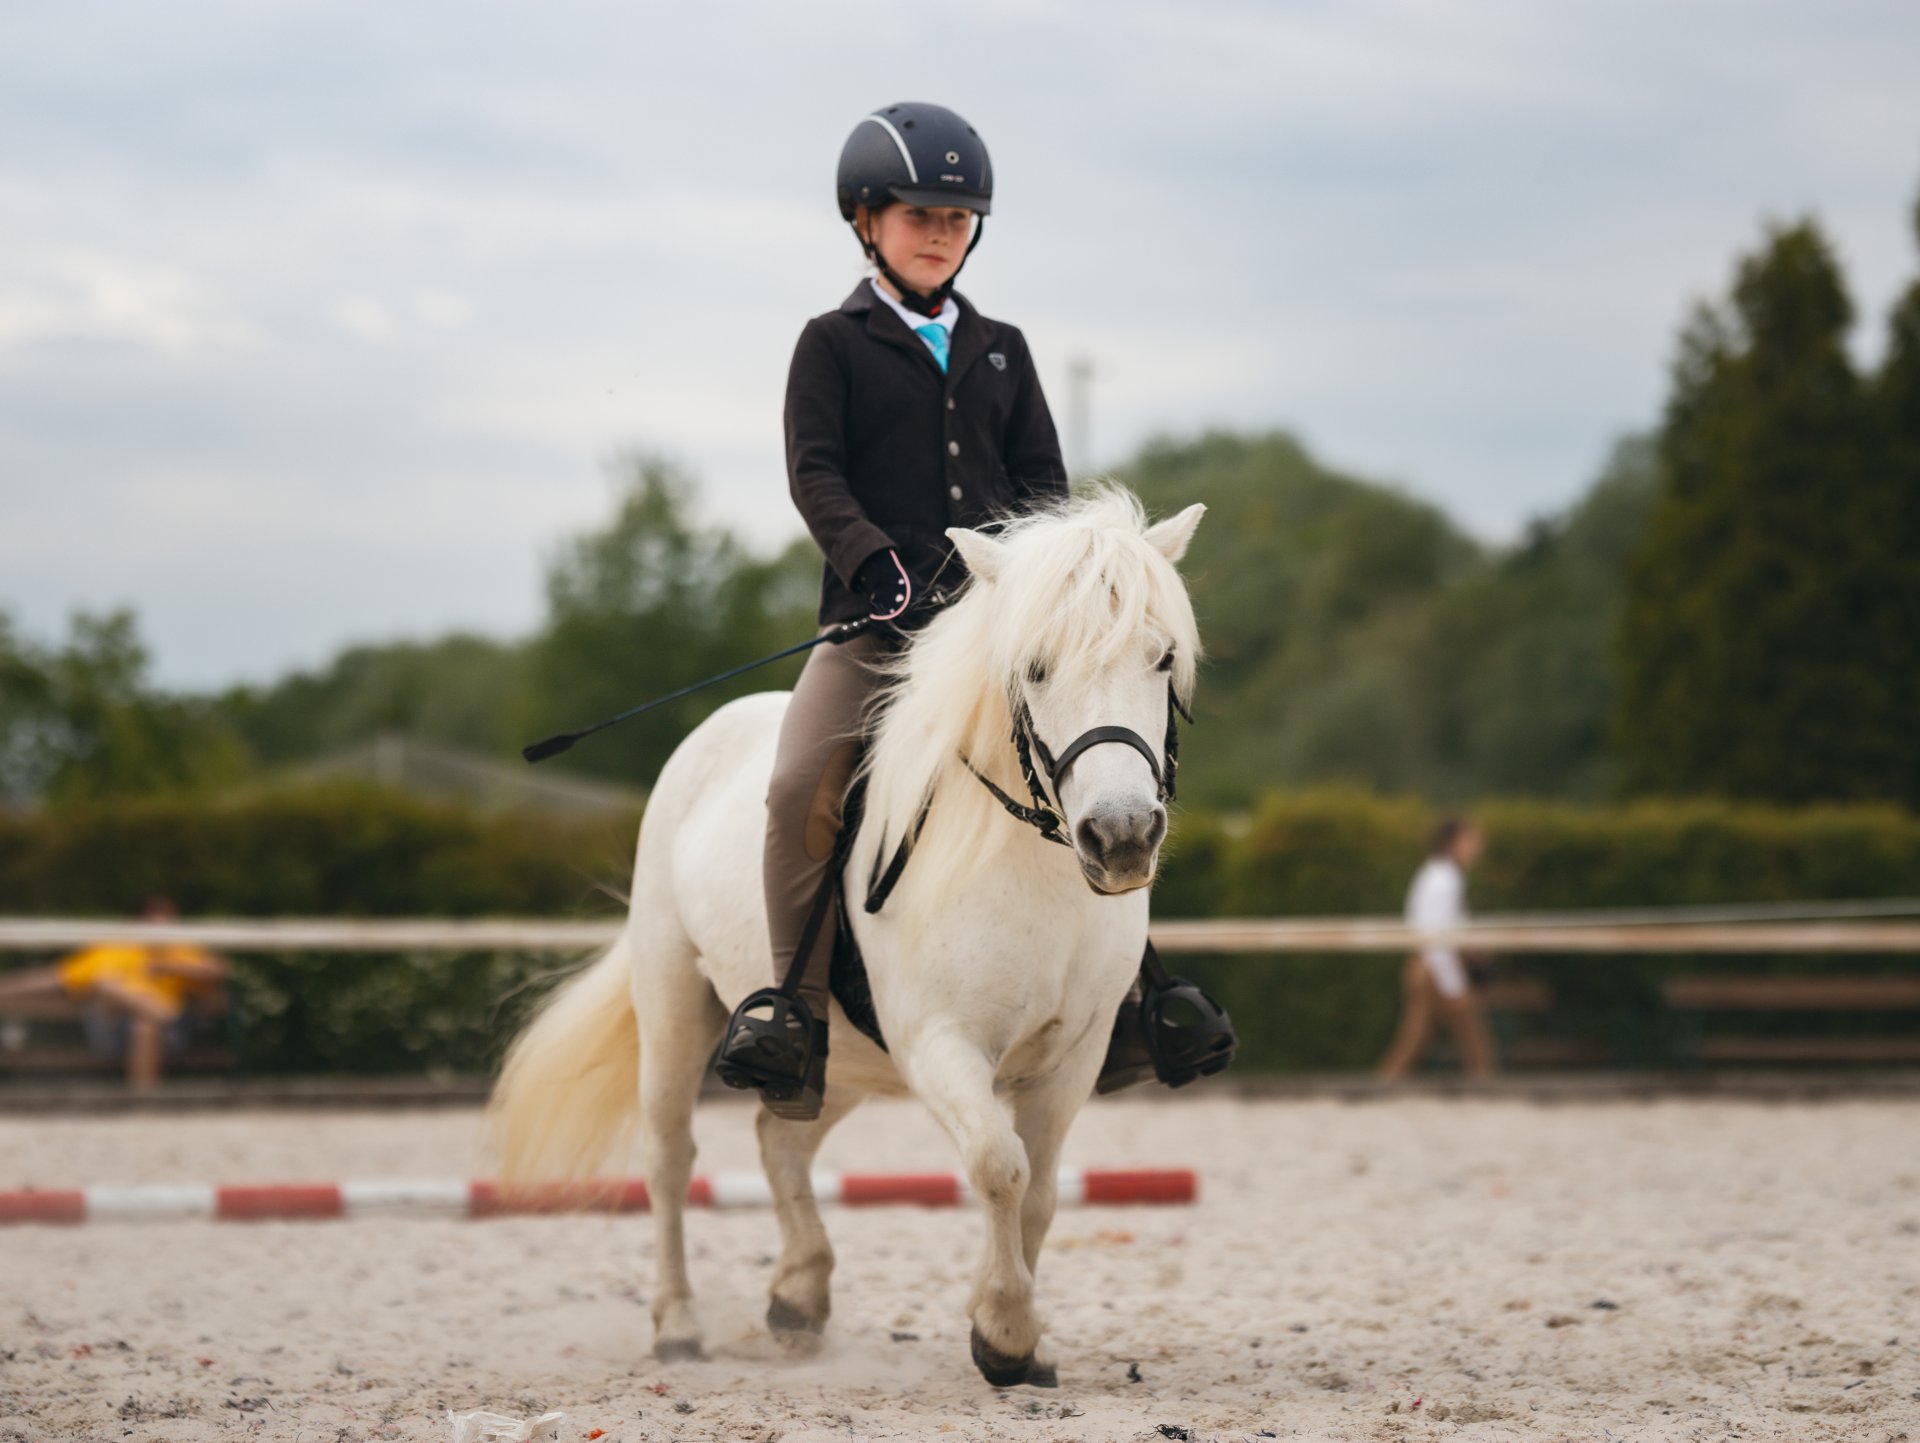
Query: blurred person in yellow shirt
x,y
142,998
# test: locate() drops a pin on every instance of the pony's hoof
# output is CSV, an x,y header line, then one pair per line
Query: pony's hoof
x,y
999,1369
1043,1375
785,1320
678,1350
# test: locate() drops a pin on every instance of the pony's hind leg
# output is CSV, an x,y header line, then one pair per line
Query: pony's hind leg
x,y
680,1023
801,1299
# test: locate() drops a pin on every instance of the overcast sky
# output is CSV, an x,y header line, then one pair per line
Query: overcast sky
x,y
319,322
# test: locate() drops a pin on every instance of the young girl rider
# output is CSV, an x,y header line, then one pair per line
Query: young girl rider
x,y
907,412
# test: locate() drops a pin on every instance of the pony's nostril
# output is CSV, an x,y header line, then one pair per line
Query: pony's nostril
x,y
1157,828
1092,841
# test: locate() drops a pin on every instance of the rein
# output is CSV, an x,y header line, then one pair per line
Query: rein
x,y
1043,816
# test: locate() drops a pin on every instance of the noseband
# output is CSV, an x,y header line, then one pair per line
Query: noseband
x,y
1042,816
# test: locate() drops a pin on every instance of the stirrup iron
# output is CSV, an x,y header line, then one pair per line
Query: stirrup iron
x,y
1189,1034
775,1045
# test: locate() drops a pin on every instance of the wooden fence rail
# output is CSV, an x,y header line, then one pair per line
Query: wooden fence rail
x,y
1533,933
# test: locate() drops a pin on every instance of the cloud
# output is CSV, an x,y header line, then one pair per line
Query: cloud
x,y
318,321
90,297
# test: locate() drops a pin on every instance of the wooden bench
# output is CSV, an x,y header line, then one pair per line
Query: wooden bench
x,y
1533,997
64,1016
1690,997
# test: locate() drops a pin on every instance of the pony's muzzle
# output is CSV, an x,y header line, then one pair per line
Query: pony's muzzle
x,y
1119,846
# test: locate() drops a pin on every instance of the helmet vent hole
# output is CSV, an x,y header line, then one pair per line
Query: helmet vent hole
x,y
906,125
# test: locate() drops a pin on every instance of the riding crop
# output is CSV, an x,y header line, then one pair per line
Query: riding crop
x,y
552,746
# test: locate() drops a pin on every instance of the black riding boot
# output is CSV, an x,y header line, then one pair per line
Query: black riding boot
x,y
775,1044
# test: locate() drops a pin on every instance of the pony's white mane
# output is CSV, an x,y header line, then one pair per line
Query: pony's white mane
x,y
1081,590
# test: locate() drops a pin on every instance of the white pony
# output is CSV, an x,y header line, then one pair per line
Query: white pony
x,y
996,966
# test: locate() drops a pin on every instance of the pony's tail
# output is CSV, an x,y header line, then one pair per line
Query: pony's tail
x,y
569,1088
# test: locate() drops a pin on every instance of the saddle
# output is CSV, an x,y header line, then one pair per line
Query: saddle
x,y
847,977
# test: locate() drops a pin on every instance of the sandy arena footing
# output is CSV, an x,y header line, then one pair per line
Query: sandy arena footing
x,y
1471,1268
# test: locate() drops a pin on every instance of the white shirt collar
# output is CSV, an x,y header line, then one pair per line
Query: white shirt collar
x,y
945,317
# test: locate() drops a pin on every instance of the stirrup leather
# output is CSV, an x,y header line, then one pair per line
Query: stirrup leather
x,y
1129,1060
775,1045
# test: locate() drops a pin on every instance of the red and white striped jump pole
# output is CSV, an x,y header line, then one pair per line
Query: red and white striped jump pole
x,y
257,1202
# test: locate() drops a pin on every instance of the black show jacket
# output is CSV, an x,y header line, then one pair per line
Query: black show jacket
x,y
884,451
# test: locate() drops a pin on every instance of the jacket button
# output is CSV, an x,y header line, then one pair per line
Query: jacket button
x,y
954,492
949,403
953,448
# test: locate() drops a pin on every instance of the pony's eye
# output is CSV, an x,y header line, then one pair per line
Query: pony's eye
x,y
1037,672
1166,662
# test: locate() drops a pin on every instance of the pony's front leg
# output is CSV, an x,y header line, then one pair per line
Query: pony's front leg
x,y
955,1080
800,1300
1042,1118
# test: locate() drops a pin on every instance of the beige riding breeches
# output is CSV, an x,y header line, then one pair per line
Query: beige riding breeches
x,y
819,747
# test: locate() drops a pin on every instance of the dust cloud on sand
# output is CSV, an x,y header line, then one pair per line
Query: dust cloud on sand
x,y
1459,1268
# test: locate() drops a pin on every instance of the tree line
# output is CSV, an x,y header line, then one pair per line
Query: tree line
x,y
648,603
1732,610
1770,644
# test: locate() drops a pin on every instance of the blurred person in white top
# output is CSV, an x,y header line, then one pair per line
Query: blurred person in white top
x,y
1435,985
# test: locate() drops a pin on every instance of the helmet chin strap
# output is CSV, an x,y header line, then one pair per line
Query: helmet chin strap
x,y
924,305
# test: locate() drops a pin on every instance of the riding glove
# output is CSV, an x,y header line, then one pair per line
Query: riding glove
x,y
883,580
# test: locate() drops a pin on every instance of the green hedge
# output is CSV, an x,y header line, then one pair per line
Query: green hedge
x,y
368,853
1344,853
337,852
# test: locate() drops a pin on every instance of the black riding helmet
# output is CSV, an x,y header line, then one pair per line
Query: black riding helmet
x,y
916,154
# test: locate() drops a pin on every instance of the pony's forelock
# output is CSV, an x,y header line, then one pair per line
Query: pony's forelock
x,y
1079,589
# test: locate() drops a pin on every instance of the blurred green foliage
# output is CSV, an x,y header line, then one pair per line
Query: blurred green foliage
x,y
1355,636
651,604
1770,644
343,850
1335,853
461,691
357,852
79,721
338,851
646,605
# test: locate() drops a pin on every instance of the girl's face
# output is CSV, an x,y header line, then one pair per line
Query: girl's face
x,y
923,247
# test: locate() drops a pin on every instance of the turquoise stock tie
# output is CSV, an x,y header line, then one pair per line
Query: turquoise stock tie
x,y
936,338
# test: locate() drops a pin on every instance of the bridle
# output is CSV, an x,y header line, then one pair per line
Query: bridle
x,y
1043,815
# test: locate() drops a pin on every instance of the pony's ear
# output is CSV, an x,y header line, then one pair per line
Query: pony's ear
x,y
984,556
1171,536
